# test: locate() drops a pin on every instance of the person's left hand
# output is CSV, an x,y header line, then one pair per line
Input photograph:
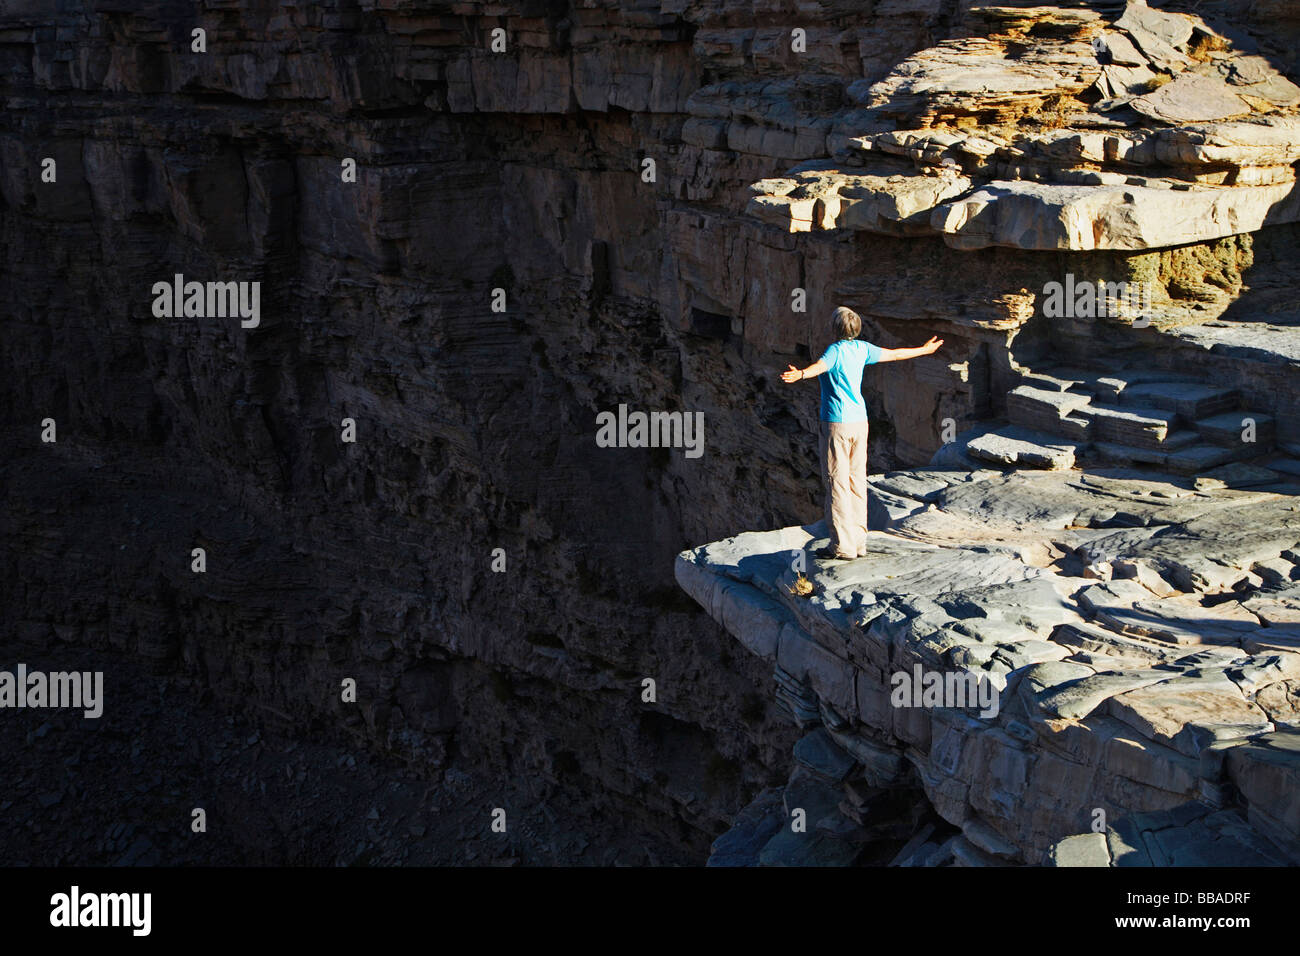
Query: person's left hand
x,y
791,374
932,346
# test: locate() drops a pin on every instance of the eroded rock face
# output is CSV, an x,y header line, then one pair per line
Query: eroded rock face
x,y
1061,129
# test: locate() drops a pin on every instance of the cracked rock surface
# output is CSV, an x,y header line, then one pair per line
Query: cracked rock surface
x,y
1060,128
1142,635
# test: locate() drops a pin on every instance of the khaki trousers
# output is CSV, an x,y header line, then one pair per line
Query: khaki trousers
x,y
843,453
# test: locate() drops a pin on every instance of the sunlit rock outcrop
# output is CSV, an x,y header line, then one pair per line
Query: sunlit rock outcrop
x,y
1139,637
1110,539
1060,129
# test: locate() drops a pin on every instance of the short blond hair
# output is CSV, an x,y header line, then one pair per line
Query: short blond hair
x,y
845,323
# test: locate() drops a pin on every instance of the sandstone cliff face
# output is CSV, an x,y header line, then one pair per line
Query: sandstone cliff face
x,y
524,171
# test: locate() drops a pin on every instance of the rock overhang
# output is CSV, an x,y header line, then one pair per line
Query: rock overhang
x,y
1122,617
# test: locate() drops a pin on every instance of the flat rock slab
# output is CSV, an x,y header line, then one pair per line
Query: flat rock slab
x,y
1187,399
1236,475
1097,606
1085,849
1022,447
1192,834
1080,698
921,486
1250,341
814,848
1144,24
1188,720
819,753
1119,49
1192,98
751,830
1127,607
1234,428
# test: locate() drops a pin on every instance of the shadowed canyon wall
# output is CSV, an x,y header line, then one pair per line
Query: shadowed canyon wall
x,y
523,171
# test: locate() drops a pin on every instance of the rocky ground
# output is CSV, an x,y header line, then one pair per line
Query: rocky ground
x,y
1137,632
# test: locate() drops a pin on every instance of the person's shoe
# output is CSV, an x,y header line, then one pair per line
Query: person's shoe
x,y
830,554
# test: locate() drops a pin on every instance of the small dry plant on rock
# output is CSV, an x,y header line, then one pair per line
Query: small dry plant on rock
x,y
802,587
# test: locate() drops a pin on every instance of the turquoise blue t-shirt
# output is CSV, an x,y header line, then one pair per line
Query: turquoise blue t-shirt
x,y
842,380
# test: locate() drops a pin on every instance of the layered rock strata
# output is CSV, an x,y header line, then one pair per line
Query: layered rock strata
x,y
525,171
1139,639
1060,129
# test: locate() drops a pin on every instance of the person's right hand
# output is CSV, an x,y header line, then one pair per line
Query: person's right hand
x,y
791,374
932,346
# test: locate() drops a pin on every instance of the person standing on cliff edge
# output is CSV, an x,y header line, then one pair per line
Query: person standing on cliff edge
x,y
842,445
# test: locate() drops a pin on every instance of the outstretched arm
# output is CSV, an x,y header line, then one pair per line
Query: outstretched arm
x,y
793,374
898,355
